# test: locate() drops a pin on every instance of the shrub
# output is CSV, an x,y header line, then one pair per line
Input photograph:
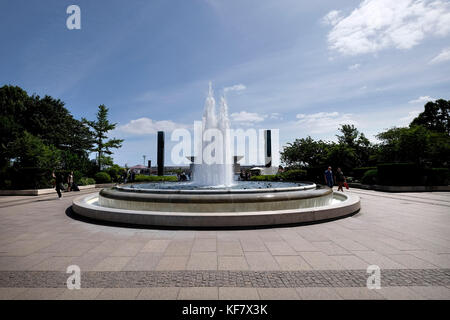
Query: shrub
x,y
102,177
85,181
144,178
370,177
358,173
293,175
269,177
115,172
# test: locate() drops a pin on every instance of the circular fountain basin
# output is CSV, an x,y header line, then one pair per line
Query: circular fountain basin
x,y
188,205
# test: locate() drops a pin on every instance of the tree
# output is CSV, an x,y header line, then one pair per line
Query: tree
x,y
305,152
100,129
414,144
357,142
435,117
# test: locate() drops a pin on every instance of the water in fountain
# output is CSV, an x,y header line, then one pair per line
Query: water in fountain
x,y
220,172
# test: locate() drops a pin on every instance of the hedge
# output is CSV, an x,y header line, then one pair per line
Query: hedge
x,y
269,177
144,178
293,175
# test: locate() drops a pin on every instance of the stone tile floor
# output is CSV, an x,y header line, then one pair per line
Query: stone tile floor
x,y
407,235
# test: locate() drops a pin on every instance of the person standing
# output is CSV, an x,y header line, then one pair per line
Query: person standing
x,y
340,179
70,181
328,176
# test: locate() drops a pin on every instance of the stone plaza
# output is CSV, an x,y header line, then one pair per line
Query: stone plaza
x,y
406,234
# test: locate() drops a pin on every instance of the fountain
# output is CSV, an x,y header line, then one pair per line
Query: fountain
x,y
221,173
213,198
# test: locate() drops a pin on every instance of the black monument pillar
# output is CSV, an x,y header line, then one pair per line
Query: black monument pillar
x,y
268,148
160,153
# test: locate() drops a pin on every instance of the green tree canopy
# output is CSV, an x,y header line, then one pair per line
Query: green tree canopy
x,y
435,117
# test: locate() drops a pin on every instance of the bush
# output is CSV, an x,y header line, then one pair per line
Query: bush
x,y
102,177
85,181
358,173
269,177
144,178
115,172
370,177
293,175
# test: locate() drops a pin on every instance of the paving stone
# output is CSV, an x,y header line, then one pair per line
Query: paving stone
x,y
198,293
292,263
202,261
322,293
172,263
159,245
232,263
229,248
320,261
10,293
433,293
279,248
278,294
80,294
40,294
118,294
159,293
230,293
261,261
399,293
358,293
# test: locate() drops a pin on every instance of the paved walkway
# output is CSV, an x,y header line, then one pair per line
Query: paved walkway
x,y
407,235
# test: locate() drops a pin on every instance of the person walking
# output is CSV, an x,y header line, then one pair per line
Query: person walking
x,y
328,176
340,179
58,183
70,181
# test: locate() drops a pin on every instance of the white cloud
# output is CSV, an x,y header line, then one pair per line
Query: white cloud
x,y
444,55
332,18
236,87
380,24
323,122
354,66
249,117
143,126
276,116
422,99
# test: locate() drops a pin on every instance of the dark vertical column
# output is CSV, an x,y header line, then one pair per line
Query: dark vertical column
x,y
160,153
268,146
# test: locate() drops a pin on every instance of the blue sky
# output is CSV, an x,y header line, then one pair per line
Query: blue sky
x,y
299,66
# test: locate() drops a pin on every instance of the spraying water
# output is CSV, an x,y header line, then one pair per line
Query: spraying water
x,y
216,167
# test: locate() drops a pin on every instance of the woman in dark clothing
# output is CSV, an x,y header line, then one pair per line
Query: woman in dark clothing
x,y
58,183
340,179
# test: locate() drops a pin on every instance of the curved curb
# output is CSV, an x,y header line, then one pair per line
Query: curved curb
x,y
350,204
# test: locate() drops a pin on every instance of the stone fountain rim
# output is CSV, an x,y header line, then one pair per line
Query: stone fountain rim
x,y
350,204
